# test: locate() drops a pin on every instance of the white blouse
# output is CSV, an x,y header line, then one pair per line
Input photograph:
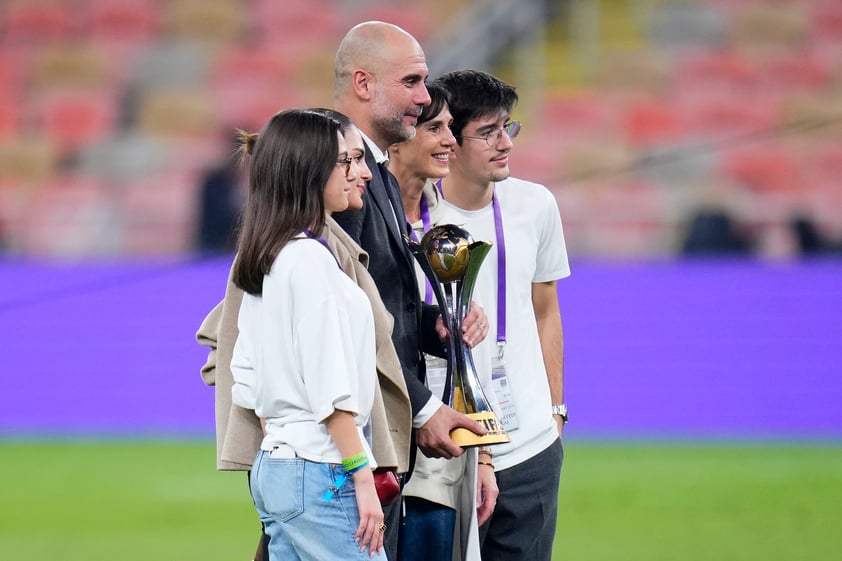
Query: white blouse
x,y
306,347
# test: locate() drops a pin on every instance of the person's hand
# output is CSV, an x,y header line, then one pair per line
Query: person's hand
x,y
441,328
474,325
487,491
434,436
371,529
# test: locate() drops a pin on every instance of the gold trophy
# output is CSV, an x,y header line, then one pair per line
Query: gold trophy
x,y
451,259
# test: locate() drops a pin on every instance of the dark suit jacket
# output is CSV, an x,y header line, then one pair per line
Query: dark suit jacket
x,y
391,265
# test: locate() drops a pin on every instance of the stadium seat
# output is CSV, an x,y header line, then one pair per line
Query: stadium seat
x,y
70,216
825,162
626,218
250,107
686,25
158,214
213,22
177,113
786,73
14,70
28,159
253,67
126,156
25,22
578,112
710,72
758,27
122,22
634,72
74,118
826,22
722,116
10,117
763,167
170,63
652,122
69,64
297,25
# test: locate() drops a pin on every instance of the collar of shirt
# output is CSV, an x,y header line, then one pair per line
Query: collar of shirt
x,y
380,156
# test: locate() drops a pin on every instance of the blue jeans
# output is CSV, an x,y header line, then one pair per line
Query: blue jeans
x,y
289,497
426,531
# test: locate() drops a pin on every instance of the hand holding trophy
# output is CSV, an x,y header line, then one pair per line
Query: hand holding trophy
x,y
451,260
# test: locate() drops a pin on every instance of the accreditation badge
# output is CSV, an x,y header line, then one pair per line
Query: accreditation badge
x,y
505,399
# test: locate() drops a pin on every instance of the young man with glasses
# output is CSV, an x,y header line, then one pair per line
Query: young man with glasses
x,y
517,287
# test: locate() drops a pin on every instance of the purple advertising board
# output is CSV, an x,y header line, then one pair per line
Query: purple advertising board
x,y
673,349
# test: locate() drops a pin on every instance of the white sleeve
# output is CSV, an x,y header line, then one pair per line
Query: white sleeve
x,y
242,369
552,262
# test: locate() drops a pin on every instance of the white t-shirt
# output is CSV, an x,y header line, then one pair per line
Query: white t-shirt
x,y
535,252
306,347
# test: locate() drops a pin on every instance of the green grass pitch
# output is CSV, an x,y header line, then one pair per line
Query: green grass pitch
x,y
619,501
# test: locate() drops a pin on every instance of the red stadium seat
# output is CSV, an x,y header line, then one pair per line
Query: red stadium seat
x,y
827,20
652,122
10,116
794,72
26,22
14,67
580,113
249,108
253,66
714,72
763,167
76,118
296,24
721,116
132,21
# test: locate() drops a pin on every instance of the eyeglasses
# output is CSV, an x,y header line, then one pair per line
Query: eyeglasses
x,y
346,161
493,138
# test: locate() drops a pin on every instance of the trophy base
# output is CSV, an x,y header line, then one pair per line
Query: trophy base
x,y
495,434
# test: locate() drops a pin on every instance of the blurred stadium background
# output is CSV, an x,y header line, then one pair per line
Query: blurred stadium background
x,y
639,113
669,130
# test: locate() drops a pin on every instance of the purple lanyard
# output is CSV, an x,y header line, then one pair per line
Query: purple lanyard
x,y
501,269
425,221
322,241
501,273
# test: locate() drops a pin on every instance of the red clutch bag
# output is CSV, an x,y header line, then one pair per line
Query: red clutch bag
x,y
387,484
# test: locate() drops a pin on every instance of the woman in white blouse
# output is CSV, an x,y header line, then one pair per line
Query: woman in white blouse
x,y
305,356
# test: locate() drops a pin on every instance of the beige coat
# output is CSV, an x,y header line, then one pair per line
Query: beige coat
x,y
238,432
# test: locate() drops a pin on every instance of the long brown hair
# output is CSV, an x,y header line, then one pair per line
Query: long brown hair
x,y
291,161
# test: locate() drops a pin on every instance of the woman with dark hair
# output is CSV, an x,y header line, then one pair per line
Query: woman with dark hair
x,y
446,500
304,360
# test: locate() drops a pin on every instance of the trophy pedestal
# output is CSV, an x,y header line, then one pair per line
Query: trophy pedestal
x,y
495,434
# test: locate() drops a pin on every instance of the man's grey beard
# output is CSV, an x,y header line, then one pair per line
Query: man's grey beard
x,y
393,131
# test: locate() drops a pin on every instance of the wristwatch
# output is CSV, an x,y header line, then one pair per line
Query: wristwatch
x,y
560,410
